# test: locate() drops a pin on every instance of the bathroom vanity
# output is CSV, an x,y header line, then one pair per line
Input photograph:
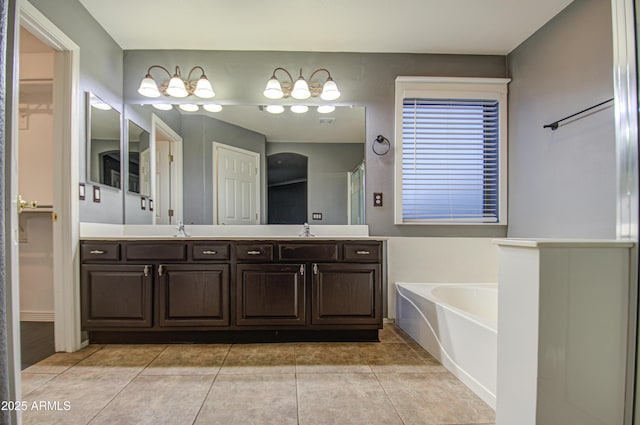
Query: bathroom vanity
x,y
210,290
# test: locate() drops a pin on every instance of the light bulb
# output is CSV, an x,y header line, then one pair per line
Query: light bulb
x,y
163,106
189,107
275,109
326,109
330,90
176,87
148,87
273,90
299,109
204,88
212,107
300,89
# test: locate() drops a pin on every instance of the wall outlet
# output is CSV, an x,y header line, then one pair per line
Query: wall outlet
x,y
316,216
377,199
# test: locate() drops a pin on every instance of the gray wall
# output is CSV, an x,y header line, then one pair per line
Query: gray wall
x,y
364,79
198,133
327,185
101,72
562,183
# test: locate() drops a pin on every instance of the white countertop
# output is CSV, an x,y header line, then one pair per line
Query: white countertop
x,y
563,243
99,231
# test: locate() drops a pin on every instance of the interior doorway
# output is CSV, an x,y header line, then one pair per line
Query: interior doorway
x,y
166,147
35,177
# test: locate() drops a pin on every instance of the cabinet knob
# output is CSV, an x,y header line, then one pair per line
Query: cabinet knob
x,y
160,270
254,252
96,251
207,252
363,252
146,271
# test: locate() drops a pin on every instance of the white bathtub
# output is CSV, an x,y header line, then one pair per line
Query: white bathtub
x,y
457,324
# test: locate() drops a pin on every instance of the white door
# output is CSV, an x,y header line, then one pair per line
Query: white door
x,y
236,179
162,201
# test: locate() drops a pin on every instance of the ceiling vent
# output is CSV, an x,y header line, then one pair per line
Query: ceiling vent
x,y
327,120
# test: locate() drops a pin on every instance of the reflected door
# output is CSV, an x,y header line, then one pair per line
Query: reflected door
x,y
163,210
237,180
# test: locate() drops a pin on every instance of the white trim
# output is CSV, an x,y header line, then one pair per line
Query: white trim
x,y
66,155
37,316
177,174
455,88
214,167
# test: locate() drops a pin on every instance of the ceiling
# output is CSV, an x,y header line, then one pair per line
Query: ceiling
x,y
384,26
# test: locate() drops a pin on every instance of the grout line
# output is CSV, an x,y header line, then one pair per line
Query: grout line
x,y
215,378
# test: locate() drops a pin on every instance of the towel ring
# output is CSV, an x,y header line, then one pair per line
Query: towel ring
x,y
384,142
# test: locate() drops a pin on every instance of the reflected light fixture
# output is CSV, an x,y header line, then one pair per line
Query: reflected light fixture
x,y
163,106
275,109
326,109
189,107
299,109
97,103
301,88
176,86
212,107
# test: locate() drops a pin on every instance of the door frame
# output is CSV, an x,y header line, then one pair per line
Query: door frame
x,y
214,167
175,141
66,140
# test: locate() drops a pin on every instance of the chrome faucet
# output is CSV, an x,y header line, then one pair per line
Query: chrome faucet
x,y
306,231
181,232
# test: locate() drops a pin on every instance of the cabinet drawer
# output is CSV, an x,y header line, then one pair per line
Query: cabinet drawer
x,y
100,251
308,251
254,251
210,251
156,251
361,252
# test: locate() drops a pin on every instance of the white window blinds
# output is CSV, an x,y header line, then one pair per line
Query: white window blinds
x,y
450,164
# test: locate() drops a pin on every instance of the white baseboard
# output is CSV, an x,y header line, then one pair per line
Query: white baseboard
x,y
37,316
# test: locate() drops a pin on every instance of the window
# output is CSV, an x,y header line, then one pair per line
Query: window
x,y
451,150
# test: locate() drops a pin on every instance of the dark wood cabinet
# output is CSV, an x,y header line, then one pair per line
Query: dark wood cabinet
x,y
116,296
270,294
193,295
346,294
163,290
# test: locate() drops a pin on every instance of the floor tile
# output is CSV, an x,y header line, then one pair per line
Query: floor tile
x,y
345,399
123,356
31,381
265,399
157,400
397,357
329,358
183,359
78,396
60,362
389,334
434,398
260,358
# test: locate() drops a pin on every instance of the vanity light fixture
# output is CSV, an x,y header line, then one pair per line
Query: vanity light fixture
x,y
189,107
176,86
212,107
163,106
301,89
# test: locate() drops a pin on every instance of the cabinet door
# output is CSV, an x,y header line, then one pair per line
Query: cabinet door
x,y
193,295
116,296
346,294
270,294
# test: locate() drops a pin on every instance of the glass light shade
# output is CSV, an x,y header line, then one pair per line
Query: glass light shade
x,y
300,89
163,106
299,109
212,107
275,109
326,109
148,87
330,90
273,90
176,87
204,88
189,107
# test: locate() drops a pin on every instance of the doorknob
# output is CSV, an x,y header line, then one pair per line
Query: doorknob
x,y
22,204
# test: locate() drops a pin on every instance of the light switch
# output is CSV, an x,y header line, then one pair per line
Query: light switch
x,y
377,199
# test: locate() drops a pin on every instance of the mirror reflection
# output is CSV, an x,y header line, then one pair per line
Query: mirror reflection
x,y
305,165
103,146
139,173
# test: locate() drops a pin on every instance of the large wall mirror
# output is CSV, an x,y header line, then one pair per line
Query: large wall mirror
x,y
103,143
306,163
139,150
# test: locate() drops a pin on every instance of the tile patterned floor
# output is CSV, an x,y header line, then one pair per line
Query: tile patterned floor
x,y
391,382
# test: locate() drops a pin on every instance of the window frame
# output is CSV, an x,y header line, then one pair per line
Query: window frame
x,y
453,88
